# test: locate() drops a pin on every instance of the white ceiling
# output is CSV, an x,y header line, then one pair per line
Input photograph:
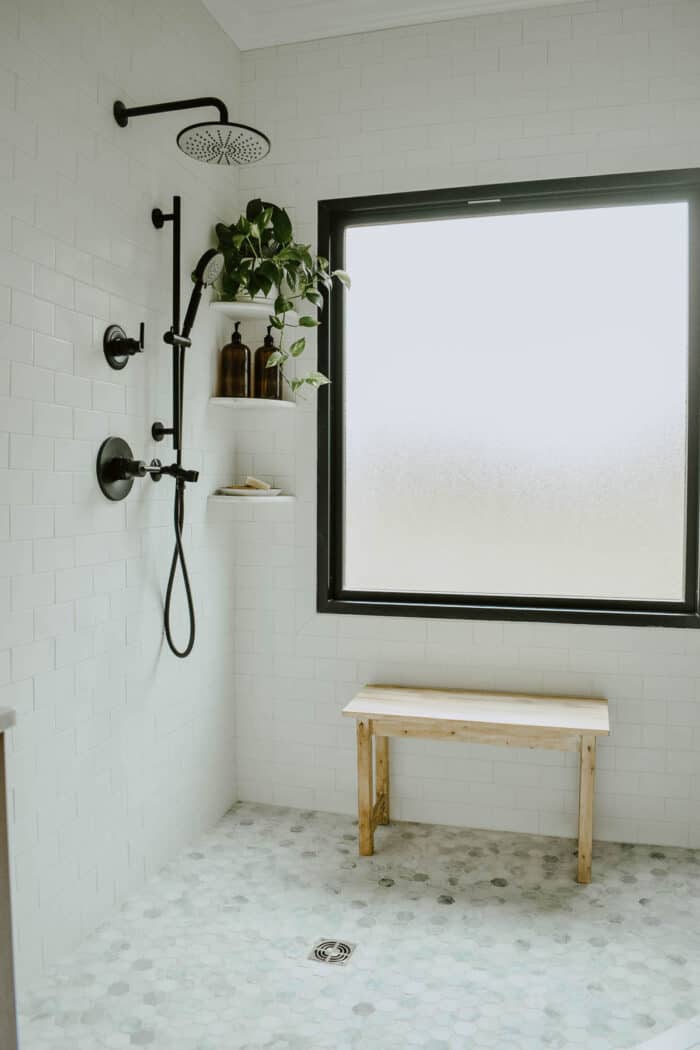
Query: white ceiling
x,y
264,23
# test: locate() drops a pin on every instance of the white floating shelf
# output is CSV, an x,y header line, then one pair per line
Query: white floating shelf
x,y
252,311
244,311
252,402
251,500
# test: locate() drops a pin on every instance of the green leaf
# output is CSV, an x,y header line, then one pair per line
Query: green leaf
x,y
276,322
296,383
281,225
223,233
308,322
343,277
314,297
316,379
297,347
269,271
229,286
253,208
275,358
282,304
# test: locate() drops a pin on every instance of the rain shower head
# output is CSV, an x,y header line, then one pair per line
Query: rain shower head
x,y
213,142
223,143
205,273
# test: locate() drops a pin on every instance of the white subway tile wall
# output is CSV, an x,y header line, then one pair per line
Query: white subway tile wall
x,y
601,86
122,753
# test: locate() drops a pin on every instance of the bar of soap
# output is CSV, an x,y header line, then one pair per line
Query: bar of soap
x,y
256,483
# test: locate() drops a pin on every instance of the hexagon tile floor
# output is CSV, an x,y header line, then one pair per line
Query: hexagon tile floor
x,y
464,940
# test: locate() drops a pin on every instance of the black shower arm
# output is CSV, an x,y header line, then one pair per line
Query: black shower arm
x,y
122,113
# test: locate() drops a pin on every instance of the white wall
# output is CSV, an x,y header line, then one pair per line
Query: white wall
x,y
598,87
122,753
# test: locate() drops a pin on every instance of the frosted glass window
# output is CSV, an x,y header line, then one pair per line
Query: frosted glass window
x,y
515,404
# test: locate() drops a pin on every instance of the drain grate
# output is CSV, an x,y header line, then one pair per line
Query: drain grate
x,y
335,952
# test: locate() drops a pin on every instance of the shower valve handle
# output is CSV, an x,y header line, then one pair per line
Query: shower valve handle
x,y
122,469
130,346
118,347
135,346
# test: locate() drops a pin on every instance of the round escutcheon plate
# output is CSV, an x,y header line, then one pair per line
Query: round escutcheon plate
x,y
114,334
112,485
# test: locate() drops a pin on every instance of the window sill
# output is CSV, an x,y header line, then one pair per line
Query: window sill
x,y
431,608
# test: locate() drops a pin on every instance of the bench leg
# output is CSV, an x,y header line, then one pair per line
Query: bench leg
x,y
585,809
364,787
381,757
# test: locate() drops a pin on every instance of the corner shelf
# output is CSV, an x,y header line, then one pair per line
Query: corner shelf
x,y
252,402
244,311
255,501
250,311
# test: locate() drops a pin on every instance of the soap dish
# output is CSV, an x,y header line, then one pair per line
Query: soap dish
x,y
234,491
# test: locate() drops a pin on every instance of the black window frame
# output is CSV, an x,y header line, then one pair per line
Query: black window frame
x,y
334,217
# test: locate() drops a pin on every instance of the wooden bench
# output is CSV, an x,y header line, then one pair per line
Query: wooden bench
x,y
511,719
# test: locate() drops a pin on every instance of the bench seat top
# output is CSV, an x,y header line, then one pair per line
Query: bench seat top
x,y
565,714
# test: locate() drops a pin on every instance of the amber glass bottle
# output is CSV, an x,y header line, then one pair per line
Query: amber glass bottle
x,y
235,367
268,381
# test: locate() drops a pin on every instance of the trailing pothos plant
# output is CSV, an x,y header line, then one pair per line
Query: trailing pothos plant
x,y
260,254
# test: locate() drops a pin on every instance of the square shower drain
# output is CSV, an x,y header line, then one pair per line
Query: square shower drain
x,y
335,952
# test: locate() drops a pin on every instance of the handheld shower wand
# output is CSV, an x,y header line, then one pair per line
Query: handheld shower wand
x,y
207,270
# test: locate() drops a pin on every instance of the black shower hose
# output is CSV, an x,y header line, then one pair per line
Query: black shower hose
x,y
179,556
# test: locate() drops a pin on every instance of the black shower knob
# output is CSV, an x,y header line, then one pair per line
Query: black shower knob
x,y
117,346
